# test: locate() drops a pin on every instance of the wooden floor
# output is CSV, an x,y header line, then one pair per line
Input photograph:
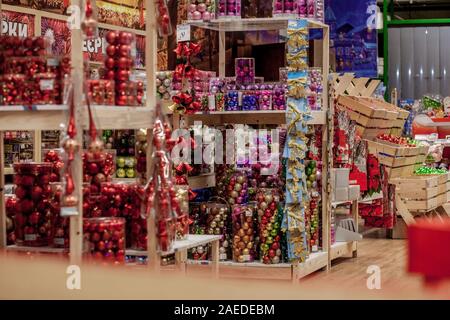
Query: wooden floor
x,y
29,278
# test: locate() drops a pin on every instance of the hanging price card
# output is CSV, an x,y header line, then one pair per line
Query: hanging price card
x,y
183,33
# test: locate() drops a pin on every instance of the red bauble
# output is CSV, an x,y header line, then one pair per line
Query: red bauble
x,y
21,192
95,237
27,181
93,168
36,193
39,43
54,177
109,63
124,50
125,37
110,75
272,253
101,245
123,63
34,217
275,246
28,43
111,37
123,75
111,50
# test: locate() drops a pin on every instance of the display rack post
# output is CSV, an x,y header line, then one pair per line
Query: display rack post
x,y
151,67
2,189
222,53
76,222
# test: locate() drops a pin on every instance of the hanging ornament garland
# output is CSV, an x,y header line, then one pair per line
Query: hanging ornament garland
x,y
297,115
163,18
184,102
160,195
89,25
71,147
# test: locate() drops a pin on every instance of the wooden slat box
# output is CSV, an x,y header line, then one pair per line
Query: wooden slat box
x,y
372,116
399,161
423,193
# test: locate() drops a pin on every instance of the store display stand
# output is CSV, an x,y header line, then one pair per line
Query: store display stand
x,y
256,270
50,117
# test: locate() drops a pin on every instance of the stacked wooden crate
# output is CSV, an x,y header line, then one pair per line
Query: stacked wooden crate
x,y
373,116
399,160
423,193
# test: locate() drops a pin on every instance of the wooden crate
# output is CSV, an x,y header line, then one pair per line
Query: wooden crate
x,y
423,193
399,161
373,116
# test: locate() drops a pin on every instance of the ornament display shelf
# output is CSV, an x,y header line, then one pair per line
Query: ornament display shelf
x,y
14,248
192,241
106,117
257,270
51,117
250,117
376,196
250,24
316,261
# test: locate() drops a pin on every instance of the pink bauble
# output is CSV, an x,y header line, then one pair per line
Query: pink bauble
x,y
192,7
196,15
206,15
201,7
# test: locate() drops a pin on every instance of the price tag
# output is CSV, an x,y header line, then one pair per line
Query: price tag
x,y
69,211
223,256
184,33
246,257
46,84
30,237
59,241
248,213
52,62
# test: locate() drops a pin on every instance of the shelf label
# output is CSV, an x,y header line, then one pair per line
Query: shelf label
x,y
30,237
52,62
46,84
69,211
183,33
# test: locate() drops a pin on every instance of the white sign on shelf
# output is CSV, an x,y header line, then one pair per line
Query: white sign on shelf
x,y
183,33
69,211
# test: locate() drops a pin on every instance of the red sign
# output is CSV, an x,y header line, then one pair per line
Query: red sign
x,y
59,34
17,24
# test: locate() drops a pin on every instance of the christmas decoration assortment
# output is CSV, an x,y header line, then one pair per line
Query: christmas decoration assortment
x,y
11,209
269,226
229,9
201,10
33,192
29,75
160,195
164,84
119,63
296,116
105,239
163,18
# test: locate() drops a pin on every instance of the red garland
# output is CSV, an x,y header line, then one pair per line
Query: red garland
x,y
184,71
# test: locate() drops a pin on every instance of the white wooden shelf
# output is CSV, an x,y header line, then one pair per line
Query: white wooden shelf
x,y
251,24
258,270
51,117
192,241
36,249
276,117
342,249
376,196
